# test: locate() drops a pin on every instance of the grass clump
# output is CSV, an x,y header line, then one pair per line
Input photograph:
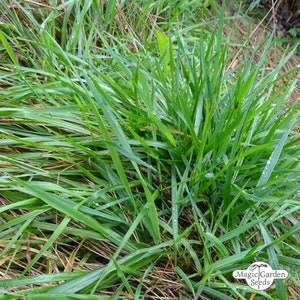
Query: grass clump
x,y
137,160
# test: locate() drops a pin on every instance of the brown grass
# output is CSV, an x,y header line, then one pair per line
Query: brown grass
x,y
253,33
79,254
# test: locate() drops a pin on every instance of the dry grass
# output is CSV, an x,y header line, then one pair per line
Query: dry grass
x,y
250,34
78,253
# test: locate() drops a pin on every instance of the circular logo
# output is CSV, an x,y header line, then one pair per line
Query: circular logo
x,y
260,275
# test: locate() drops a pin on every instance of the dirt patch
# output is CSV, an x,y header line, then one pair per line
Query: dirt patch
x,y
285,15
252,33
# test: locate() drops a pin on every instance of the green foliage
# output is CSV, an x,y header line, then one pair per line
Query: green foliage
x,y
129,147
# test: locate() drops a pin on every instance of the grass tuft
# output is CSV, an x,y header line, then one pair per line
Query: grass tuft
x,y
141,154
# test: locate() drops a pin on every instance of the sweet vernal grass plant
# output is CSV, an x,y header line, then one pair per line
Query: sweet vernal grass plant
x,y
135,162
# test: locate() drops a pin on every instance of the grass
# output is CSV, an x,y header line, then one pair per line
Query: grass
x,y
136,160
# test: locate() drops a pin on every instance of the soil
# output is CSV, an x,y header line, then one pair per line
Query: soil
x,y
253,31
